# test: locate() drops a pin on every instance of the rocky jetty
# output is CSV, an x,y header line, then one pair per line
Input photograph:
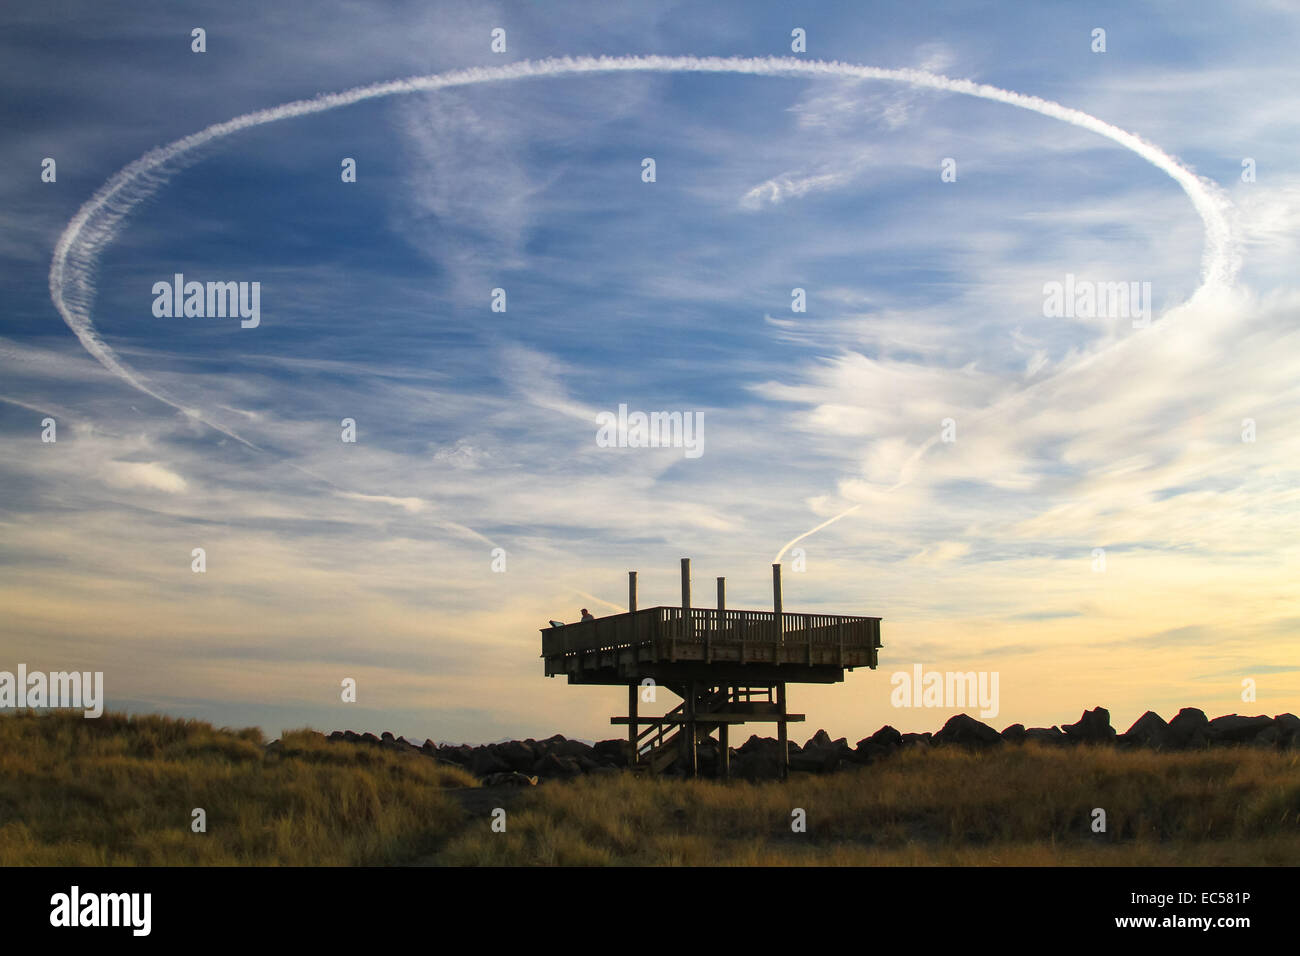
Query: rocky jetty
x,y
525,762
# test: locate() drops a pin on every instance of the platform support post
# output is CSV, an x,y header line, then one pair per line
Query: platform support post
x,y
633,730
691,741
782,734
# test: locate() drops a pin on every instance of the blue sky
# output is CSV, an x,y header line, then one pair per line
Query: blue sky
x,y
477,429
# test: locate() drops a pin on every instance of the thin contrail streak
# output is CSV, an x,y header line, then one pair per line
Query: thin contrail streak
x,y
95,225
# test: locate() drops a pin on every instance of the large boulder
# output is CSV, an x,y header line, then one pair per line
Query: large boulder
x,y
485,762
460,754
1231,729
914,740
516,755
1092,728
613,752
966,731
886,737
819,740
757,764
554,765
1288,730
1015,734
369,738
572,748
1188,729
1149,730
757,744
1044,735
815,760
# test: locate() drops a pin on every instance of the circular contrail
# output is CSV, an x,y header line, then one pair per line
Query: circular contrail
x,y
77,252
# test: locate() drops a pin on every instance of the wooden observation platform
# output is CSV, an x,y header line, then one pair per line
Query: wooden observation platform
x,y
728,667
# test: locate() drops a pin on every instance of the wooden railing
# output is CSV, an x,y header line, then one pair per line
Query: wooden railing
x,y
708,626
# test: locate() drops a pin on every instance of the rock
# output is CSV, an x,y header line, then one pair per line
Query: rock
x,y
485,762
911,740
429,748
554,765
516,755
613,752
868,753
351,736
1149,730
459,755
1092,728
1232,729
387,738
369,738
509,779
338,735
965,730
757,764
760,744
1015,734
1045,735
815,760
1288,730
886,737
572,748
1187,729
819,740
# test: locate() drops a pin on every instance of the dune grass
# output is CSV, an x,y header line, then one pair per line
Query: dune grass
x,y
1027,806
121,791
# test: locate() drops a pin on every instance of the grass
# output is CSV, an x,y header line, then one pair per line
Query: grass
x,y
1026,806
119,791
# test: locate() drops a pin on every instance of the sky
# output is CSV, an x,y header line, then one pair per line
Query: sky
x,y
1101,513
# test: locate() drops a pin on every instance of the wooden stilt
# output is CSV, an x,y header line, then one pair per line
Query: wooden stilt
x,y
633,728
782,734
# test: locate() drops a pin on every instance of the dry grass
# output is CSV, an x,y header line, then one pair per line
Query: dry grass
x,y
120,791
1024,806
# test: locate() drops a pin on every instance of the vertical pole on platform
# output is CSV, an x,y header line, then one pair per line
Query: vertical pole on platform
x,y
687,631
776,601
631,590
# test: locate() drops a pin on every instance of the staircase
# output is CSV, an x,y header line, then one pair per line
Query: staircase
x,y
660,743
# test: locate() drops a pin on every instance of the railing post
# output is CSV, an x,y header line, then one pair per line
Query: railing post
x,y
776,601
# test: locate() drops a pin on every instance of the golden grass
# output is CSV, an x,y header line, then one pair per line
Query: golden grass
x,y
120,791
1015,806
